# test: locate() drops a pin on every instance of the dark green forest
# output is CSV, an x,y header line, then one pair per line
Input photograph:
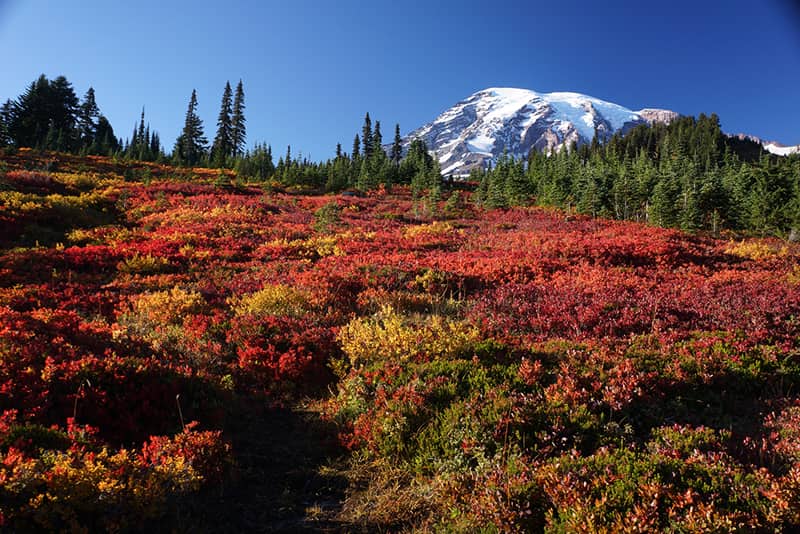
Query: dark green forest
x,y
687,174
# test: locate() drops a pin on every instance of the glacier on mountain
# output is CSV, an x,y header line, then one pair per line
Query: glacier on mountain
x,y
480,128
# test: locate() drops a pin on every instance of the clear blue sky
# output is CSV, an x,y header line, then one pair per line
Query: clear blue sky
x,y
312,68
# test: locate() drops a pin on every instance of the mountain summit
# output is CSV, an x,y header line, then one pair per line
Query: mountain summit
x,y
480,128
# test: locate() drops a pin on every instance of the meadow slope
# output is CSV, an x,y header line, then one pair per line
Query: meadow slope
x,y
181,351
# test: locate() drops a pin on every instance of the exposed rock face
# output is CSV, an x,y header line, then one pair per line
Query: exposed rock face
x,y
653,115
479,129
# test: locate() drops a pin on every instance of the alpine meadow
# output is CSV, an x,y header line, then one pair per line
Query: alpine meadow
x,y
531,311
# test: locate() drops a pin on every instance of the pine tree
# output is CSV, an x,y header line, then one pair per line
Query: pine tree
x,y
88,115
105,142
6,116
366,136
238,128
222,148
141,139
356,148
663,207
155,146
377,140
44,112
517,186
190,147
64,112
397,146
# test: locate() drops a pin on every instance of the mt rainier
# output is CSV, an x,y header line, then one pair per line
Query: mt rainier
x,y
480,128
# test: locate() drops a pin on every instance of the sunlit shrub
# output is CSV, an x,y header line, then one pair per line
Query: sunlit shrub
x,y
143,264
81,489
389,336
159,317
167,307
436,228
273,300
756,250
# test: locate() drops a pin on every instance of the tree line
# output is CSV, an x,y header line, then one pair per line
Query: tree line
x,y
49,116
687,174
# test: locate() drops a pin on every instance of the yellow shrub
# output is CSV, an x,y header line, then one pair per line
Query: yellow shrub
x,y
794,276
756,250
113,490
273,300
433,229
168,307
143,264
317,246
393,337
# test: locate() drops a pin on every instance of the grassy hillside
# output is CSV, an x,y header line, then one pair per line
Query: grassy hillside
x,y
179,351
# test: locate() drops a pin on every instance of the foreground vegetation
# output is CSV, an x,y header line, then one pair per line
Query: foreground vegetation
x,y
182,352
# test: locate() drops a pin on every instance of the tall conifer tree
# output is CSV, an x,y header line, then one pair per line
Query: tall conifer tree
x,y
190,147
366,136
377,140
397,146
88,115
223,141
238,127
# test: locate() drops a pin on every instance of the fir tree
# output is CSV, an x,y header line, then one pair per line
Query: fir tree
x,y
6,112
141,138
377,140
88,115
366,136
105,142
190,147
222,148
45,112
238,127
356,148
397,146
663,208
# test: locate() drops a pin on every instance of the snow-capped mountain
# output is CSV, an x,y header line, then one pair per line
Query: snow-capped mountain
x,y
773,147
480,128
780,149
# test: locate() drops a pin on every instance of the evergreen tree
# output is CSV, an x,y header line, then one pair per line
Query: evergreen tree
x,y
338,176
105,142
155,146
663,208
45,112
496,189
238,127
222,148
6,113
144,144
64,113
366,136
190,147
88,116
481,177
397,146
517,185
257,164
141,138
377,140
356,148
